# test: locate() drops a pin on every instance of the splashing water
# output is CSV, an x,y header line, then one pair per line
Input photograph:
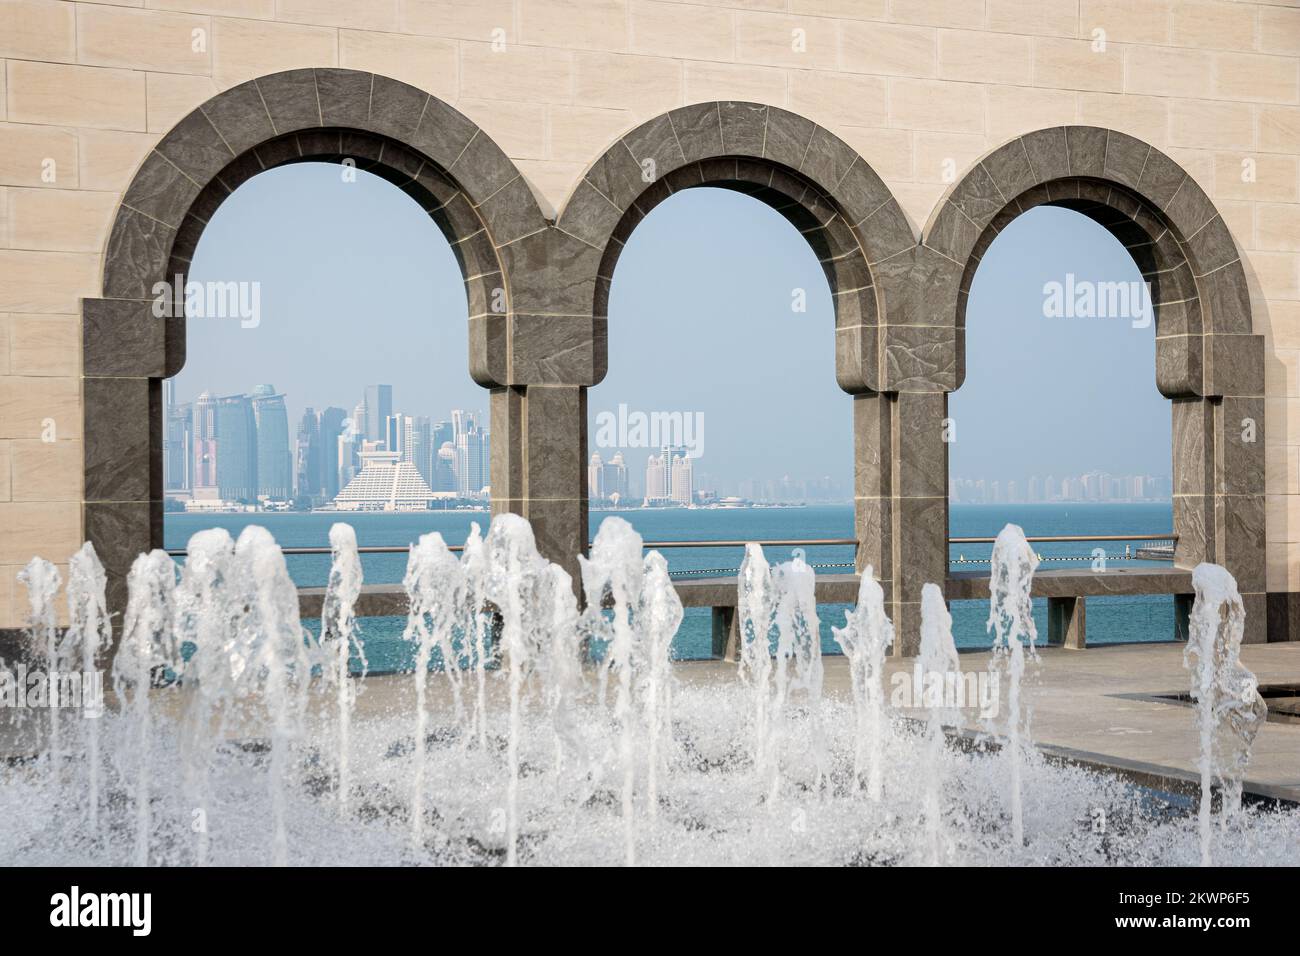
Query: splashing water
x,y
561,672
148,650
220,734
781,600
42,580
281,655
799,654
435,587
90,631
937,668
1229,708
525,588
209,626
1011,619
644,615
865,638
473,561
339,634
658,617
756,610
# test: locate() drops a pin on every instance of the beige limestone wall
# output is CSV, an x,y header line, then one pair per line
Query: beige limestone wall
x,y
921,88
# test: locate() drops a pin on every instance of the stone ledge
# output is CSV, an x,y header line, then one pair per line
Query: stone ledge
x,y
974,585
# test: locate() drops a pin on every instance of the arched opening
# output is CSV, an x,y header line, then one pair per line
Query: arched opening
x,y
339,391
1059,426
358,121
720,417
1208,361
834,200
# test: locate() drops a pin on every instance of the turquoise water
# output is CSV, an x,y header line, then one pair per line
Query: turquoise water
x,y
1110,620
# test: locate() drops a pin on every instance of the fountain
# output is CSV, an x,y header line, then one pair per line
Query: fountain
x,y
207,628
937,667
42,580
229,741
644,613
1011,619
798,665
756,610
1229,709
435,585
473,562
339,635
91,632
865,638
280,656
148,650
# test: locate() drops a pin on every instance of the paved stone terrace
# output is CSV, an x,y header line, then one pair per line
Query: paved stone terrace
x,y
1083,706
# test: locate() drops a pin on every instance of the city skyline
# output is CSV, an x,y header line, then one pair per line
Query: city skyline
x,y
742,276
1090,486
235,450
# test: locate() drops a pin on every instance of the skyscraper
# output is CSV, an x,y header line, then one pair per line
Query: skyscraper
x,y
378,404
616,477
683,480
445,468
349,445
177,454
656,480
392,434
307,455
471,447
274,462
331,426
203,447
607,480
421,434
236,449
596,478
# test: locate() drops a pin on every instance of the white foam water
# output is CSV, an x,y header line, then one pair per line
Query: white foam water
x,y
341,642
435,585
937,668
1229,708
1011,621
634,609
149,652
42,581
89,635
585,744
865,638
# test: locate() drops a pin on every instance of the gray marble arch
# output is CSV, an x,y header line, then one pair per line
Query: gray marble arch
x,y
538,293
1209,363
837,202
468,186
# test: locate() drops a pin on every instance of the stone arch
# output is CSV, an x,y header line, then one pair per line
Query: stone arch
x,y
828,192
473,192
1208,360
819,183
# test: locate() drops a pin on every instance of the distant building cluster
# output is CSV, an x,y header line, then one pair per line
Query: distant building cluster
x,y
1093,486
607,481
228,449
672,481
235,452
786,489
670,478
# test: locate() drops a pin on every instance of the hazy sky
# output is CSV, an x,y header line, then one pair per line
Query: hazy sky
x,y
358,286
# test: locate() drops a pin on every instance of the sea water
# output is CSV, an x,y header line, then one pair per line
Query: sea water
x,y
1110,620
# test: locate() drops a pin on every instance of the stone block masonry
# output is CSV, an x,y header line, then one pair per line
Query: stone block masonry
x,y
899,135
